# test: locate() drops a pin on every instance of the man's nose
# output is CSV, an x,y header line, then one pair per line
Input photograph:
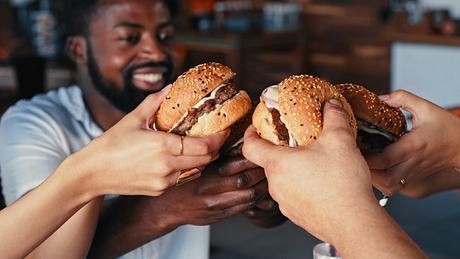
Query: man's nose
x,y
152,49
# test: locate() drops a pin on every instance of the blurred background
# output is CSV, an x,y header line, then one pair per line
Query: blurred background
x,y
381,44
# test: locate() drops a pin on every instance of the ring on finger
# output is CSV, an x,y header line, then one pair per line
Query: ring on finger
x,y
188,175
403,181
181,146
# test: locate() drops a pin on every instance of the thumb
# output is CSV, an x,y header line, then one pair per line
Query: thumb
x,y
336,118
258,150
405,100
152,102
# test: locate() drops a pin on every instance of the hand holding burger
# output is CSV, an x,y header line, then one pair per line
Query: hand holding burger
x,y
202,101
430,147
323,185
290,113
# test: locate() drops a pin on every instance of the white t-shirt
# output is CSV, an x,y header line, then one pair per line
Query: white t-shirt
x,y
35,137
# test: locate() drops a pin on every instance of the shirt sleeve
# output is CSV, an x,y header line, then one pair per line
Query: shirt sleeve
x,y
29,150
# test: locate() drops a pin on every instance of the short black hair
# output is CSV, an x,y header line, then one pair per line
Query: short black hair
x,y
77,15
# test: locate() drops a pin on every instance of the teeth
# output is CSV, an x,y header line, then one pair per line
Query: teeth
x,y
150,78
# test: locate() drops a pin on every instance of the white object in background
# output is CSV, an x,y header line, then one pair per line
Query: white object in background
x,y
452,5
429,71
325,251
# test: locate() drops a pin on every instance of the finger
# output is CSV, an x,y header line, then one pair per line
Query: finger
x,y
270,210
393,154
151,103
336,119
235,165
258,150
187,162
405,100
196,146
243,180
378,179
392,180
234,198
227,200
232,211
267,204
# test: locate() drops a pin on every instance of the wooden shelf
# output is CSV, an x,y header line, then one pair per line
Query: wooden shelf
x,y
433,39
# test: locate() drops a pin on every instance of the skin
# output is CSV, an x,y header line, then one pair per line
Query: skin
x,y
125,34
82,177
422,155
325,188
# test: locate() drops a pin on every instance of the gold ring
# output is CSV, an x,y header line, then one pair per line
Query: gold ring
x,y
188,175
181,146
403,181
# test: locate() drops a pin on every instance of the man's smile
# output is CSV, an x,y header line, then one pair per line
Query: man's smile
x,y
151,79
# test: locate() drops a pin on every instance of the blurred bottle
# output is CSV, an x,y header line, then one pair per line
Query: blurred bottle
x,y
414,10
279,16
202,14
44,31
235,16
35,42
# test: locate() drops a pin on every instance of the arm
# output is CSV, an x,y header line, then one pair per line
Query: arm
x,y
325,188
367,231
119,161
53,202
129,222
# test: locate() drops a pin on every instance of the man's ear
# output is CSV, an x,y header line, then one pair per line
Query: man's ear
x,y
76,47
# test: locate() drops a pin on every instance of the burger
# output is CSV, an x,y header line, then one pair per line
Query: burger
x,y
291,113
203,101
379,124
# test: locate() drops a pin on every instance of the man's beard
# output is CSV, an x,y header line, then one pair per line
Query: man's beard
x,y
128,97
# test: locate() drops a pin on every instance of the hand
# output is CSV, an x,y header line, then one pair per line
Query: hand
x,y
265,213
443,180
431,145
213,197
321,185
132,159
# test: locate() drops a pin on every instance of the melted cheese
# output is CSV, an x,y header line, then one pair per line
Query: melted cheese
x,y
270,97
364,126
211,96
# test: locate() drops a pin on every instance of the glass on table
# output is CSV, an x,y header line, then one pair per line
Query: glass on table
x,y
325,251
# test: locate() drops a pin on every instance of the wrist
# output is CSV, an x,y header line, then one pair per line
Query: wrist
x,y
373,233
76,178
156,216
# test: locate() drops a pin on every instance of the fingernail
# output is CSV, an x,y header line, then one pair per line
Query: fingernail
x,y
384,97
335,102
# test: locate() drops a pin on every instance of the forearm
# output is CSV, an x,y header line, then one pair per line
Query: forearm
x,y
33,218
268,222
372,233
73,239
126,223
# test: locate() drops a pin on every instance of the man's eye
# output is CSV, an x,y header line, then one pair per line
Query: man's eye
x,y
130,39
164,37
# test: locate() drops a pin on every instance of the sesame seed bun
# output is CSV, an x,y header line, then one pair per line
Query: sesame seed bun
x,y
196,87
376,114
367,106
263,122
301,100
223,116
